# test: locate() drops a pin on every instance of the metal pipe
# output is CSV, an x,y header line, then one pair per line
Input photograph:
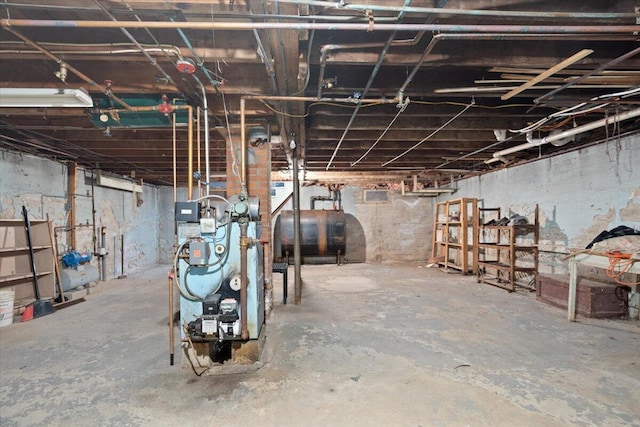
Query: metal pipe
x,y
301,26
93,213
341,5
416,39
174,108
434,40
171,339
297,258
243,149
373,75
190,154
590,73
284,57
324,52
262,52
571,132
473,36
198,151
204,69
217,15
175,167
69,67
326,48
153,62
314,99
103,263
207,161
244,331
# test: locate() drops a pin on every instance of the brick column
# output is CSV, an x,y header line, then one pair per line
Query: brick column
x,y
258,185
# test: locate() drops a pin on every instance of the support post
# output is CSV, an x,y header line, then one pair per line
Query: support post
x,y
573,285
297,259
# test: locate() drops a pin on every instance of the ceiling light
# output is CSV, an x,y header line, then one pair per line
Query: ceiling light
x,y
44,97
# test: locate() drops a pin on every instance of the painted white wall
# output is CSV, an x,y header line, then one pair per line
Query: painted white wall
x,y
579,193
397,231
41,186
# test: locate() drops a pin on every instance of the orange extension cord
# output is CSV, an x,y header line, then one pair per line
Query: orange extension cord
x,y
619,264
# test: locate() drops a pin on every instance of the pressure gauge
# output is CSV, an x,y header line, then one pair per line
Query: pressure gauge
x,y
236,283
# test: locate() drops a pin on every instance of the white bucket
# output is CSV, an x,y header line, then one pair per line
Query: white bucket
x,y
6,307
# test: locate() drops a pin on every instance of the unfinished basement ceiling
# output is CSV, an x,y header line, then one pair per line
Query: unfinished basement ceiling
x,y
376,92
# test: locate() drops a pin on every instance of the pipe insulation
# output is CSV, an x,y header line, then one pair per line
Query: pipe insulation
x,y
568,133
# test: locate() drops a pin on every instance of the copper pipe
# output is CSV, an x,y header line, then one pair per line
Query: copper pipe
x,y
198,150
174,108
175,168
301,26
171,339
190,154
244,331
71,68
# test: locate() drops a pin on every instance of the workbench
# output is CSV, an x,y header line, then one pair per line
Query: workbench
x,y
598,261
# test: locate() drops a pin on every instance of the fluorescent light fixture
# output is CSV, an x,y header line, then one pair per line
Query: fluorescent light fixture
x,y
118,183
44,97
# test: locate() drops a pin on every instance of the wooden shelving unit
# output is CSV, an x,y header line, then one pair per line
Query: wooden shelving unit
x,y
507,255
454,233
15,266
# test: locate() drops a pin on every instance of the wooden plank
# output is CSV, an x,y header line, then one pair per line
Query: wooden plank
x,y
560,66
56,265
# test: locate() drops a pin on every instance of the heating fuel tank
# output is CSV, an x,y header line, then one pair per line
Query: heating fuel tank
x,y
322,232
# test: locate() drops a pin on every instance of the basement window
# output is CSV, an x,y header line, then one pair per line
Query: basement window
x,y
376,196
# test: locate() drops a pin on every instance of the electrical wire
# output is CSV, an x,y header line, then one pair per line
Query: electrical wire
x,y
234,162
431,134
188,339
400,111
316,103
620,263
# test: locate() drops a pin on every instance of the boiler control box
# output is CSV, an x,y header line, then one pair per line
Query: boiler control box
x,y
187,212
198,253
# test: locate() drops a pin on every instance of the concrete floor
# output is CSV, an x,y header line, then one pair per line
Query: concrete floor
x,y
371,345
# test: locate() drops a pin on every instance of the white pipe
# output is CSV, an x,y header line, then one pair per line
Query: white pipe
x,y
570,132
207,161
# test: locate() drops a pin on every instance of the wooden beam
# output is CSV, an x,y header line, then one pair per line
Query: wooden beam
x,y
551,71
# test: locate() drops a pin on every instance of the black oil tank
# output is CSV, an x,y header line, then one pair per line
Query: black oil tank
x,y
322,233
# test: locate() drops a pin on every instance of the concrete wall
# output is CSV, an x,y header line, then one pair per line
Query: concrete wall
x,y
41,185
579,194
395,231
